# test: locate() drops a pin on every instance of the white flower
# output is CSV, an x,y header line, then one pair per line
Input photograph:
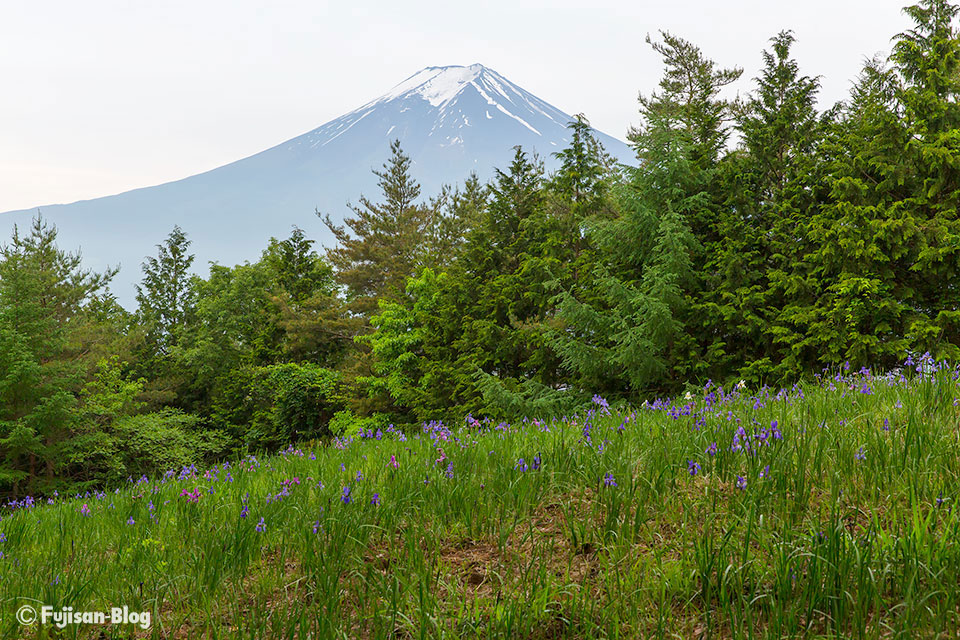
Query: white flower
x,y
741,385
688,396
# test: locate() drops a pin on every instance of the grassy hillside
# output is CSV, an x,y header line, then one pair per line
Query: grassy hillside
x,y
821,510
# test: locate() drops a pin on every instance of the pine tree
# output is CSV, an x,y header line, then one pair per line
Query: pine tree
x,y
383,244
44,299
689,102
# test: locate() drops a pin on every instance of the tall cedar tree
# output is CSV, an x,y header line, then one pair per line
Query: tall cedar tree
x,y
416,344
299,270
627,335
163,296
504,275
773,186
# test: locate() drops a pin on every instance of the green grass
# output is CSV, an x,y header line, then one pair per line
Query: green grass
x,y
825,540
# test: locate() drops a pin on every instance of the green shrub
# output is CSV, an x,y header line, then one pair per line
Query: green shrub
x,y
153,443
291,402
346,424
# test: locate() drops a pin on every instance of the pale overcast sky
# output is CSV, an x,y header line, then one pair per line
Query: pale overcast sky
x,y
103,96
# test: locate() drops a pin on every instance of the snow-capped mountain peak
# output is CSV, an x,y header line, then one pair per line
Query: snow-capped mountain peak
x,y
452,121
436,85
441,87
443,101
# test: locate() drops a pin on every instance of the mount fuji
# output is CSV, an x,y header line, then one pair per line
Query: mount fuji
x,y
450,120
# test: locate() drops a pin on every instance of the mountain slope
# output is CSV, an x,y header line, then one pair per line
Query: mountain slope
x,y
450,120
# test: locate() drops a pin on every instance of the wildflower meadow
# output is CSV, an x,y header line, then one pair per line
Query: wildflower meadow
x,y
822,510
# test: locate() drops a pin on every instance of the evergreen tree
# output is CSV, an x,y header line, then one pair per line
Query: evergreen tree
x,y
383,244
927,61
468,205
579,193
300,272
627,326
503,273
428,346
44,299
688,102
312,319
773,188
474,337
885,246
163,296
582,178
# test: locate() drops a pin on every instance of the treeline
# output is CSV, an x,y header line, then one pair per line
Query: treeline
x,y
756,239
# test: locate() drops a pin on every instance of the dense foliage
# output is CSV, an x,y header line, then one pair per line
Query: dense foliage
x,y
759,239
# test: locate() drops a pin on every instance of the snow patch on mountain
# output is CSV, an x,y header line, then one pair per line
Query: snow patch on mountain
x,y
436,85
